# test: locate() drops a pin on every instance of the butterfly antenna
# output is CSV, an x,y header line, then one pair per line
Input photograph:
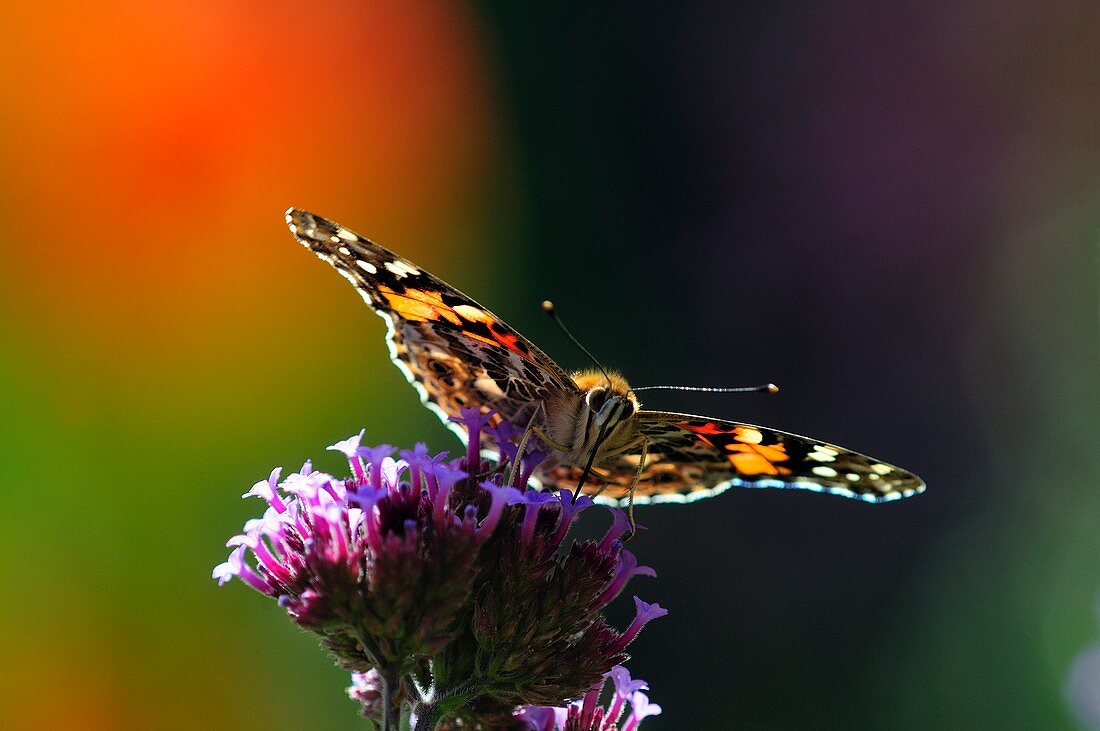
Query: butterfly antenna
x,y
764,388
548,308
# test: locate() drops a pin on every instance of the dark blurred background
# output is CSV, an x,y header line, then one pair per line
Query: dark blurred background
x,y
889,210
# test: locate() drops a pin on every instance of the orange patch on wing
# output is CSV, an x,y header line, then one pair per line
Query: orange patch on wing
x,y
757,459
419,305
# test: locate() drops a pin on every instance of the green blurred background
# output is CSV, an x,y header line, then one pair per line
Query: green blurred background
x,y
892,212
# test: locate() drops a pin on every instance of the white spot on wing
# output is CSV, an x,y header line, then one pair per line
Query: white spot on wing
x,y
489,386
749,436
366,266
401,270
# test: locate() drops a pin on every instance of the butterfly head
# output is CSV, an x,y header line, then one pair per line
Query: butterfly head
x,y
608,398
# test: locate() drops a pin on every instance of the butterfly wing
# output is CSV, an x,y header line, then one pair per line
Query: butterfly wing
x,y
452,350
693,457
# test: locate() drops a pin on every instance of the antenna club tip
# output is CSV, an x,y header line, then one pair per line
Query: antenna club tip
x,y
548,307
771,388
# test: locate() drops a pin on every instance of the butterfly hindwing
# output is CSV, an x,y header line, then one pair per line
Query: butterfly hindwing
x,y
692,457
453,351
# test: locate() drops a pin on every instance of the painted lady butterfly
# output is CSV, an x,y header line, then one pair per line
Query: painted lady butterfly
x,y
457,354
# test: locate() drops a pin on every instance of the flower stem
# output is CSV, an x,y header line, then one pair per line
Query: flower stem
x,y
391,712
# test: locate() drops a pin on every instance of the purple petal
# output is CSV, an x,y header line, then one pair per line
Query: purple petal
x,y
350,449
619,525
624,685
474,421
571,507
626,569
500,499
266,490
533,497
537,718
419,461
640,708
534,502
645,613
236,566
374,457
503,435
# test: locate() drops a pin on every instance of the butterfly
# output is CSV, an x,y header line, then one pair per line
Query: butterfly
x,y
457,355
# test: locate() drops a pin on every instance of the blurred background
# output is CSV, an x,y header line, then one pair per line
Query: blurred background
x,y
891,212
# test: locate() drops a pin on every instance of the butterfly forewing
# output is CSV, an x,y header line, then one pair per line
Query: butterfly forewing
x,y
453,351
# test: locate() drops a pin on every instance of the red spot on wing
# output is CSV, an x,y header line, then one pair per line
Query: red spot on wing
x,y
708,428
510,341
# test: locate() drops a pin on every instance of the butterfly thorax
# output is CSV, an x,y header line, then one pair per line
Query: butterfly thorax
x,y
600,417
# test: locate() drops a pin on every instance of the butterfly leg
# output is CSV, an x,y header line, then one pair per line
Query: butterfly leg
x,y
531,429
542,435
630,492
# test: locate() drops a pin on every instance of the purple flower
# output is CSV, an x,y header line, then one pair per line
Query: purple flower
x,y
440,587
586,714
625,688
628,567
640,708
366,689
534,501
350,449
644,614
475,422
538,718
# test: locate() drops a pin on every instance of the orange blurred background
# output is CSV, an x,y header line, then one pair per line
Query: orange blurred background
x,y
149,151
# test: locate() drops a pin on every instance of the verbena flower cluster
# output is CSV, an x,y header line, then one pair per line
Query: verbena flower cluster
x,y
447,588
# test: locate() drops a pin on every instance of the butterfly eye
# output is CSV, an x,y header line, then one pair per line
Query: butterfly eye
x,y
596,398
